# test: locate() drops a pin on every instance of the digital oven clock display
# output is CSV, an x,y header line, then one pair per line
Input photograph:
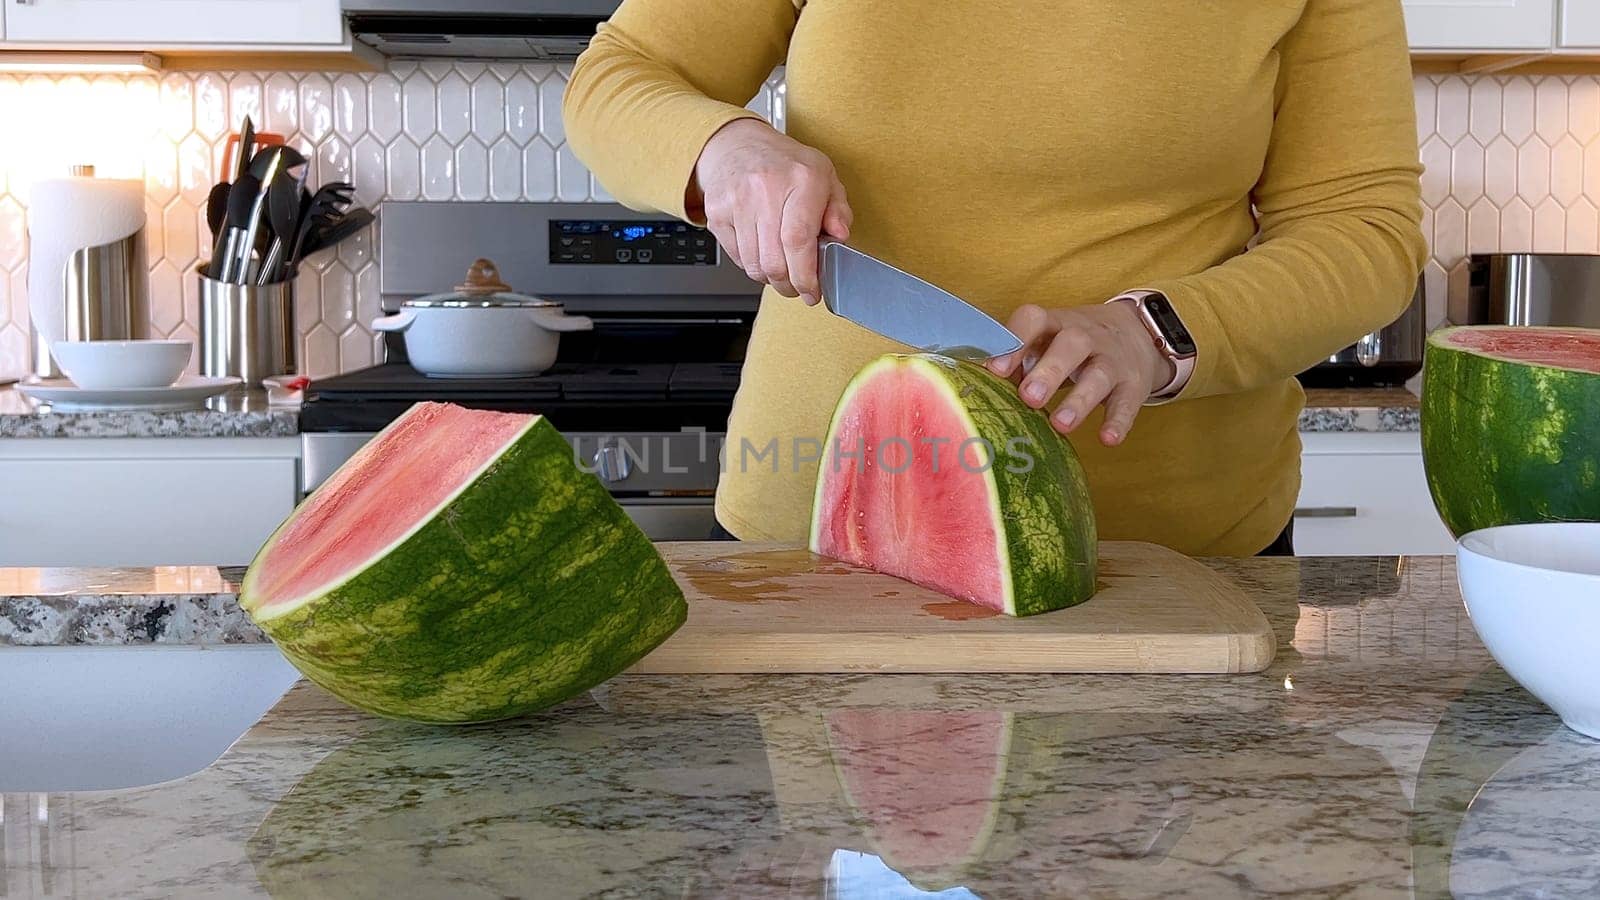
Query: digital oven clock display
x,y
611,243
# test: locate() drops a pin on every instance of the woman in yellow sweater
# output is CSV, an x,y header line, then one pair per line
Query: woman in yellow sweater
x,y
1253,162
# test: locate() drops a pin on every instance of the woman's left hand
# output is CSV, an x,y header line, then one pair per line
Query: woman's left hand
x,y
1104,349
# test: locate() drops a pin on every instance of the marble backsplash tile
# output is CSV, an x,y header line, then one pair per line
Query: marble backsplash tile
x,y
1513,163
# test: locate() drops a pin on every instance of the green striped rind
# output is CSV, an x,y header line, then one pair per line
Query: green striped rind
x,y
1506,442
1044,513
531,586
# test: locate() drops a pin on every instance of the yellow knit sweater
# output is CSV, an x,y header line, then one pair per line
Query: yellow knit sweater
x,y
1056,153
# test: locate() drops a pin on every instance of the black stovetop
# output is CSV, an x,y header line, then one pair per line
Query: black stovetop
x,y
605,397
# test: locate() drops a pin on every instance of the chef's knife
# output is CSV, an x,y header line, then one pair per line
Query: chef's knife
x,y
904,308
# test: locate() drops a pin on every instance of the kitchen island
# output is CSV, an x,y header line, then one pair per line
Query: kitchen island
x,y
1382,754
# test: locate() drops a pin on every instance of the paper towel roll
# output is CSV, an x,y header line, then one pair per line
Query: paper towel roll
x,y
64,216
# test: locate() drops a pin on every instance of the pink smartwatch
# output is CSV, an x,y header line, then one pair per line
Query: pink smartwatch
x,y
1169,336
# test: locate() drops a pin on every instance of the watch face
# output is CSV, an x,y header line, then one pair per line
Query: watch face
x,y
1166,319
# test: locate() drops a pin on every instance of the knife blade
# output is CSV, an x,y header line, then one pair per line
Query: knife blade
x,y
904,308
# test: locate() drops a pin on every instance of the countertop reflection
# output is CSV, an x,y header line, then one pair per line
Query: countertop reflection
x,y
1383,754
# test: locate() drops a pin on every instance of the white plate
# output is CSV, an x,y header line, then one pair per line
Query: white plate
x,y
189,393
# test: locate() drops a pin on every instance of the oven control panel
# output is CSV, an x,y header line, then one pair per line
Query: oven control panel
x,y
631,243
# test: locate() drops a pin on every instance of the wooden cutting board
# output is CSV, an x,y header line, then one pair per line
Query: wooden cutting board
x,y
767,608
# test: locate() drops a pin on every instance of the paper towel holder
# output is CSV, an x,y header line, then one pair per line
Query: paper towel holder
x,y
106,294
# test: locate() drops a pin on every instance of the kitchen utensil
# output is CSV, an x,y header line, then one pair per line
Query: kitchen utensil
x,y
239,149
88,276
1531,593
283,215
282,158
339,230
98,365
217,208
904,308
1530,289
256,222
189,392
231,248
326,205
246,330
1383,358
482,329
793,611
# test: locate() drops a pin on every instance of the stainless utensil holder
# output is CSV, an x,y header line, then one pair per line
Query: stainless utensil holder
x,y
246,330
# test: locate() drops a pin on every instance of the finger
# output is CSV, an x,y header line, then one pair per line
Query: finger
x,y
1122,407
727,238
838,217
802,222
774,265
1094,383
1065,355
1030,323
747,233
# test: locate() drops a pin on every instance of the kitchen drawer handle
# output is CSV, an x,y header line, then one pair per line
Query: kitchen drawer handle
x,y
1325,512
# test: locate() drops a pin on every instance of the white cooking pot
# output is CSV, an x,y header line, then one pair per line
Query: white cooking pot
x,y
482,329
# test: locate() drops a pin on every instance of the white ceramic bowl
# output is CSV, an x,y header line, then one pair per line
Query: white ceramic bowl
x,y
1533,592
104,365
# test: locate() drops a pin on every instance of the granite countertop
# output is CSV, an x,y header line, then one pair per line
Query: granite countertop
x,y
1361,409
1383,754
247,414
236,414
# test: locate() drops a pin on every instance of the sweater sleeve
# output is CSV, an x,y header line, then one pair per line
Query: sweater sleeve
x,y
1339,207
658,80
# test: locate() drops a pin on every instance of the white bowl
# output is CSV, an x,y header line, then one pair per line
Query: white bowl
x,y
102,365
1533,593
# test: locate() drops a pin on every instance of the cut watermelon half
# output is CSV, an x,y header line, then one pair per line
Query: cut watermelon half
x,y
393,486
934,471
461,568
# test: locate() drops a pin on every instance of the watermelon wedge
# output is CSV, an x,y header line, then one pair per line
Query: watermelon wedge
x,y
461,568
926,785
935,471
1511,425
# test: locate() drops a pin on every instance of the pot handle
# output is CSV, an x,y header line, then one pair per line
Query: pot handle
x,y
556,321
398,322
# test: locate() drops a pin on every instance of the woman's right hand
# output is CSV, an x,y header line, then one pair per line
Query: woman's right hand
x,y
767,198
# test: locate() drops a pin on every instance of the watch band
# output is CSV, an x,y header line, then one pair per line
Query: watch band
x,y
1177,348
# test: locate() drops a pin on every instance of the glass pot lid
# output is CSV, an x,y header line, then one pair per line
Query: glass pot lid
x,y
482,289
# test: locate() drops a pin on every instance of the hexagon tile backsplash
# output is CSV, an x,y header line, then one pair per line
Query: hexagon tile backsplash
x,y
1513,163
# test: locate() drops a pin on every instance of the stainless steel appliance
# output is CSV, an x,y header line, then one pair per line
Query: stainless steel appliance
x,y
644,397
1530,289
478,29
1383,358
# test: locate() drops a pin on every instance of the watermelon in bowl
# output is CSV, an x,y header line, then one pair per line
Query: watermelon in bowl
x,y
461,568
1511,425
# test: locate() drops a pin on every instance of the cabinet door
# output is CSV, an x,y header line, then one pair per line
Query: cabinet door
x,y
1580,23
143,501
1366,495
150,24
1481,25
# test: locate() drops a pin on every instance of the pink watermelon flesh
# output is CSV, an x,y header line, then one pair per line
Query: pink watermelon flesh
x,y
926,783
1563,348
931,526
382,495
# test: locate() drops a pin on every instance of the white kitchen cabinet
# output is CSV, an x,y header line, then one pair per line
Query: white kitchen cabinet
x,y
1481,25
153,24
1580,24
1364,494
143,501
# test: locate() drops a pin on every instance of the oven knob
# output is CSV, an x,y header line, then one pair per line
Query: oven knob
x,y
611,464
1369,350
